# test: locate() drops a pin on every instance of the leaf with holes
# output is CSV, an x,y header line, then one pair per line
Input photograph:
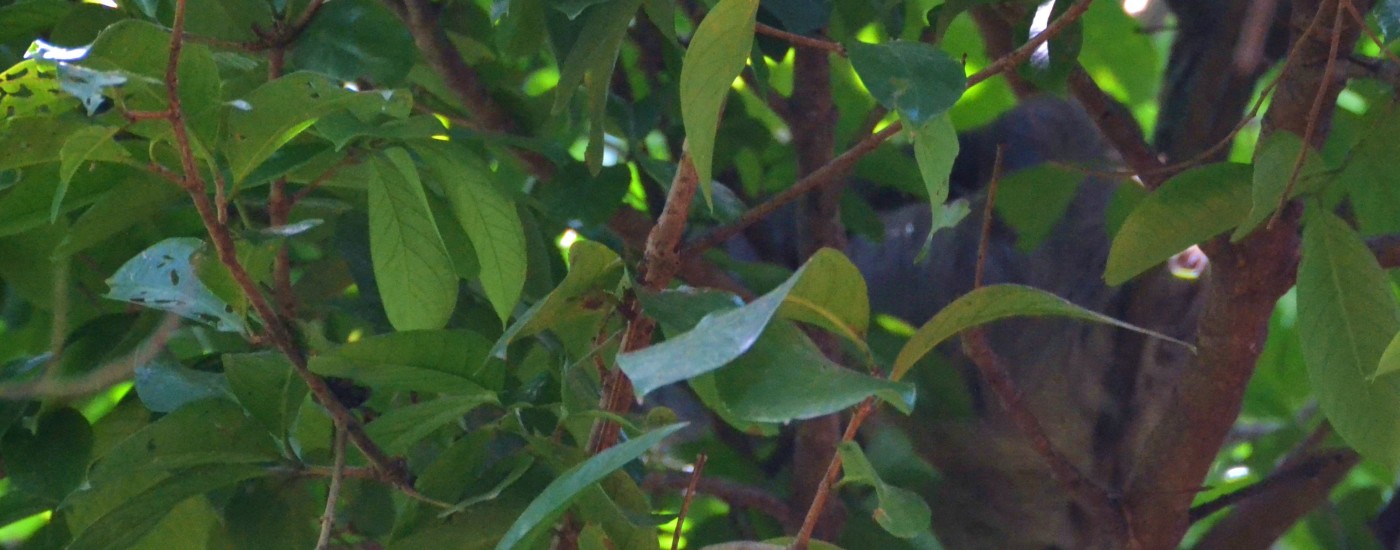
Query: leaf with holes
x,y
164,277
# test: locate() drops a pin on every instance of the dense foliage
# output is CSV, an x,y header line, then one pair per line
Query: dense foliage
x,y
469,274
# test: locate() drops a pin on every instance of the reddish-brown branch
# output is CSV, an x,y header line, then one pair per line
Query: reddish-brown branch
x,y
1118,127
659,265
699,469
809,523
986,234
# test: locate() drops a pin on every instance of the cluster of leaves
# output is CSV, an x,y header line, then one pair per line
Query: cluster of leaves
x,y
424,264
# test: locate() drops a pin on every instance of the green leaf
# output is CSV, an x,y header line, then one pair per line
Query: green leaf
x,y
593,268
267,387
831,295
1191,207
274,113
31,87
716,54
51,461
125,524
411,265
164,277
34,140
1273,166
594,51
901,512
917,80
399,429
92,143
1346,317
550,504
164,385
438,361
786,377
185,438
935,148
721,337
356,39
992,303
488,217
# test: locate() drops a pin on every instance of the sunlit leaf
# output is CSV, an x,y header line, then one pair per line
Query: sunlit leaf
x,y
717,53
593,268
488,217
411,264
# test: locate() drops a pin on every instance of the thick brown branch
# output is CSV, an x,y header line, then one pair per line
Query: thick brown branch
x,y
1119,128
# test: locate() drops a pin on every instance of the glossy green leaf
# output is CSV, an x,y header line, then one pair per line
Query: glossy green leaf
x,y
992,303
593,269
488,217
274,113
1188,209
399,429
935,149
900,511
51,461
556,497
182,439
916,80
721,337
124,525
411,265
89,144
437,361
1273,167
267,387
164,277
164,385
353,40
717,53
1346,317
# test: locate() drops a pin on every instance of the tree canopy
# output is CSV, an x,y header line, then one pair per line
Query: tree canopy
x,y
592,274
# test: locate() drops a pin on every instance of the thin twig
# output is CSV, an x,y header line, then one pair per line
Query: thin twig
x,y
733,493
333,492
1313,114
1361,22
100,378
987,219
699,468
799,40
